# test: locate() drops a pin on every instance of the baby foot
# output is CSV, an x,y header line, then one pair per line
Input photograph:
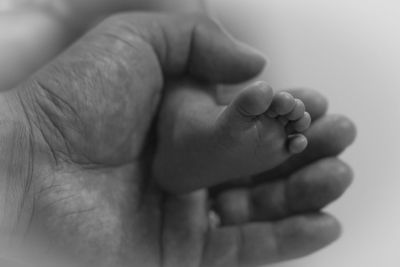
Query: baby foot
x,y
202,142
254,117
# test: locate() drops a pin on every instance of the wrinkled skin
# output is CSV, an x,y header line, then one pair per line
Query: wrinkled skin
x,y
33,32
85,189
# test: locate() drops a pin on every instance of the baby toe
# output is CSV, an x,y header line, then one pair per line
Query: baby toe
x,y
254,100
297,143
301,124
298,111
283,103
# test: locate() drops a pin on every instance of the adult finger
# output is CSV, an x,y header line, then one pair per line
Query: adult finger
x,y
257,244
307,190
186,44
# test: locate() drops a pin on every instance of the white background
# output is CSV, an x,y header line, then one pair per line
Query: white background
x,y
350,50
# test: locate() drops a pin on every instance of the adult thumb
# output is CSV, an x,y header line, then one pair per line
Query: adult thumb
x,y
115,74
189,45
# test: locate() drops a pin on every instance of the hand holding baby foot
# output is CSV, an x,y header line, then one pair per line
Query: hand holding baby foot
x,y
85,189
200,141
75,137
282,205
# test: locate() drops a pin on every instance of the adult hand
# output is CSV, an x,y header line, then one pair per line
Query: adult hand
x,y
85,188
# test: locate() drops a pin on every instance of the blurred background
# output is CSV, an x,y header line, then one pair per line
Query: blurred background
x,y
350,51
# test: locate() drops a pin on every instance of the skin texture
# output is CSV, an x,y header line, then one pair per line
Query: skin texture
x,y
35,31
85,189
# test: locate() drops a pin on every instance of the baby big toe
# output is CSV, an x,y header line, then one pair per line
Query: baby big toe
x,y
254,100
248,105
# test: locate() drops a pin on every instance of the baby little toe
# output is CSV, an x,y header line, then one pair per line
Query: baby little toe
x,y
297,143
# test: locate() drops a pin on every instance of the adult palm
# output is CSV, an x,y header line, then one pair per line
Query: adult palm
x,y
85,189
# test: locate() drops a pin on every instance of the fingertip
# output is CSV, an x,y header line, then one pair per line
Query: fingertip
x,y
345,175
347,127
303,235
246,64
320,229
256,57
217,57
317,185
331,135
330,229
